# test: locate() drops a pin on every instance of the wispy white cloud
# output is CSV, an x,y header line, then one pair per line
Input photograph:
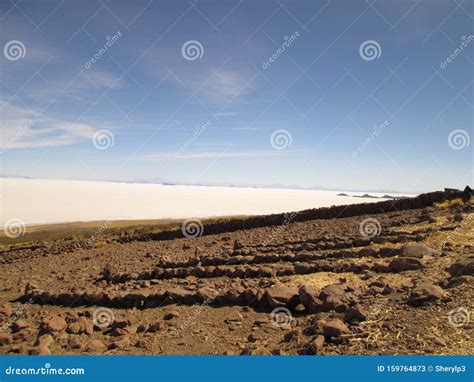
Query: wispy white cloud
x,y
226,114
100,80
25,128
211,154
250,128
227,83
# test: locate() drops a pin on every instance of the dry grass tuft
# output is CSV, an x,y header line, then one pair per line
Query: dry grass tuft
x,y
450,203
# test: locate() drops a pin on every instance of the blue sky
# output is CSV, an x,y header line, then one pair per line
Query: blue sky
x,y
210,117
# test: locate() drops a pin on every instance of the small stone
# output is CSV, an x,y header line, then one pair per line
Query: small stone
x,y
39,350
316,346
45,340
30,287
5,339
88,327
121,344
74,343
95,346
279,352
439,341
355,313
171,315
55,324
335,328
74,328
19,325
254,337
156,326
290,336
140,344
22,335
6,310
233,317
116,332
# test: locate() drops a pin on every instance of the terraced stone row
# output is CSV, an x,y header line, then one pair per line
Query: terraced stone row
x,y
315,244
271,258
337,297
276,270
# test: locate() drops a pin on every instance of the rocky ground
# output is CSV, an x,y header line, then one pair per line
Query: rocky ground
x,y
398,282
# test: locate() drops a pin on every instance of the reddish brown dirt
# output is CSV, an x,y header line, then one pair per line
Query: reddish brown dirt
x,y
186,296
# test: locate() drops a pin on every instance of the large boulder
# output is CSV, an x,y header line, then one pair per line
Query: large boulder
x,y
282,296
309,297
336,297
401,264
417,251
388,252
462,267
425,293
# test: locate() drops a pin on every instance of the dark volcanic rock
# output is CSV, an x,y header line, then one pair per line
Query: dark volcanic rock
x,y
5,339
335,328
336,297
401,264
19,325
388,252
95,346
282,296
55,324
309,297
417,251
462,267
316,346
460,280
39,350
425,293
